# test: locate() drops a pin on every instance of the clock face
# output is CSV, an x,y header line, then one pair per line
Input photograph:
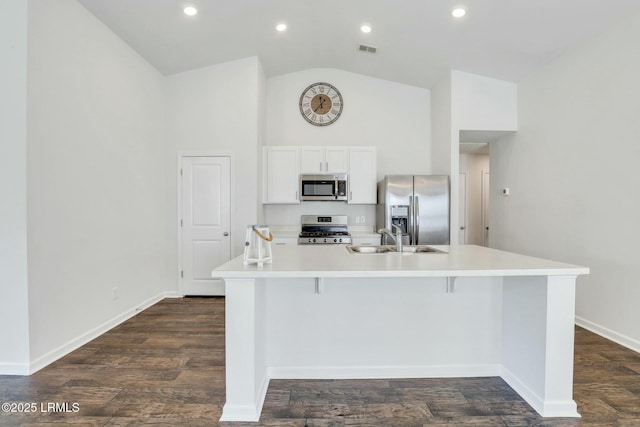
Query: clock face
x,y
321,104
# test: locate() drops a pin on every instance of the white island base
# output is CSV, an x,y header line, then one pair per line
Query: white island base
x,y
323,313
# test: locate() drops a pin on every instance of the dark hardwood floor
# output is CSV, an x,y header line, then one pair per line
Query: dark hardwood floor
x,y
165,367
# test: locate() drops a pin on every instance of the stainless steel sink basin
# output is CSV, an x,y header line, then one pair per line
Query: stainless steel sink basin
x,y
381,249
419,249
370,249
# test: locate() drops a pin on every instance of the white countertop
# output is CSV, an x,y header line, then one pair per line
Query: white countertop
x,y
335,261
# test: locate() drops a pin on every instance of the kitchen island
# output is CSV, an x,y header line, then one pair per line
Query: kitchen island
x,y
323,312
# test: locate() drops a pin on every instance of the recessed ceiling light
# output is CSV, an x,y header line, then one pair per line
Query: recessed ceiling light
x,y
190,11
365,28
459,12
281,27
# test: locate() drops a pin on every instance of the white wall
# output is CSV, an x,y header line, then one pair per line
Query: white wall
x,y
215,109
483,103
442,126
14,310
477,103
96,179
473,165
262,135
393,117
572,170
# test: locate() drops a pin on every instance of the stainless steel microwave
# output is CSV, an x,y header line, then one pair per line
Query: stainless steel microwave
x,y
330,187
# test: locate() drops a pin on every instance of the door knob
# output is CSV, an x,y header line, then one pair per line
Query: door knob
x,y
225,233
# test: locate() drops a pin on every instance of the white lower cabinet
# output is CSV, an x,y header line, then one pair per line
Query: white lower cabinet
x,y
365,240
284,240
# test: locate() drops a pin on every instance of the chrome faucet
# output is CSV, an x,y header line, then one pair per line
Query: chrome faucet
x,y
397,238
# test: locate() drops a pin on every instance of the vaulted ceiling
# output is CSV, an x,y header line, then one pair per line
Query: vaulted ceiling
x,y
416,40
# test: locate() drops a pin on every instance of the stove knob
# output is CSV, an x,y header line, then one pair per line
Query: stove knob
x,y
335,240
325,240
314,240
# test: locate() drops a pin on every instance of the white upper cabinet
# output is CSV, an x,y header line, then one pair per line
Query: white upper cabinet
x,y
282,166
281,171
336,159
362,175
311,159
324,159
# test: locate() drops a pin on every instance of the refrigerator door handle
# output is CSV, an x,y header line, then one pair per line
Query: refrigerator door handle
x,y
417,220
411,219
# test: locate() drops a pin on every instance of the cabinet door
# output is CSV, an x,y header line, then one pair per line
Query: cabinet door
x,y
312,160
324,159
336,159
281,172
359,241
362,175
284,241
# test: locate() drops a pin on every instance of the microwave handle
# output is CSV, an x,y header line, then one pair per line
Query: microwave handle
x,y
335,188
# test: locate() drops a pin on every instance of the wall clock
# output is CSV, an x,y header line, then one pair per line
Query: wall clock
x,y
321,104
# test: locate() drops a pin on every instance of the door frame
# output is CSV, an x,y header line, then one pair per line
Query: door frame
x,y
485,194
462,199
232,201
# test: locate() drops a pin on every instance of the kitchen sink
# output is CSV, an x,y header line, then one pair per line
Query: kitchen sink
x,y
381,249
370,249
419,249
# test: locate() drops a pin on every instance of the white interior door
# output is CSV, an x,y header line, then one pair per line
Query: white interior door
x,y
462,204
205,222
485,208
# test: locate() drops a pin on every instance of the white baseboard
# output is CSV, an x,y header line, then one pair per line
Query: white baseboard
x,y
246,413
373,372
213,288
14,369
609,334
250,413
173,294
83,339
566,408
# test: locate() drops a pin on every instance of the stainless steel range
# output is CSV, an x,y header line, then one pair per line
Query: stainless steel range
x,y
324,230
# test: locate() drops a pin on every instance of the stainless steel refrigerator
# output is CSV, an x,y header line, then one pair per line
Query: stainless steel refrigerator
x,y
419,204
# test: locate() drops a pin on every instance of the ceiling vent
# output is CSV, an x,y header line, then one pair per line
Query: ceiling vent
x,y
368,49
